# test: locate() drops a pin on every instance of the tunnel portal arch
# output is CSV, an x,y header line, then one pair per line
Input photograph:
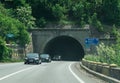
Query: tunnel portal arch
x,y
67,47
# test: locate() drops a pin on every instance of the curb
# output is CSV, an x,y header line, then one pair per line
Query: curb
x,y
101,76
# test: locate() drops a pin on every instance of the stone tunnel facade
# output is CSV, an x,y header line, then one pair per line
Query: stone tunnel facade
x,y
69,43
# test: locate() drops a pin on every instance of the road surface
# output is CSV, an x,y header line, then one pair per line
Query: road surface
x,y
54,72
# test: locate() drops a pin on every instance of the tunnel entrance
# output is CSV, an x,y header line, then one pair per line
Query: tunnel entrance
x,y
67,47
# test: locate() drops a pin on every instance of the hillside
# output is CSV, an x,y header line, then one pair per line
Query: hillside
x,y
70,11
18,16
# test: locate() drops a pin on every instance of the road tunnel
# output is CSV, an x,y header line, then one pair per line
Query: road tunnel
x,y
67,47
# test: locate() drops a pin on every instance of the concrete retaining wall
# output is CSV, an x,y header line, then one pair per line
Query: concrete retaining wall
x,y
18,53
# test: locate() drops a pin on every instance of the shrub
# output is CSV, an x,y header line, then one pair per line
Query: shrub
x,y
4,51
92,58
41,22
105,54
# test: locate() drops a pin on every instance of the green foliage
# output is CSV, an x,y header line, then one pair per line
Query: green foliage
x,y
78,10
117,45
24,15
82,22
106,53
93,19
4,51
41,22
8,25
99,26
6,12
11,25
92,57
108,12
93,12
58,11
24,37
114,30
95,22
41,8
17,3
111,11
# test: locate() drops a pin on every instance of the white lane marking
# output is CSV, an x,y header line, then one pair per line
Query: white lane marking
x,y
80,80
15,73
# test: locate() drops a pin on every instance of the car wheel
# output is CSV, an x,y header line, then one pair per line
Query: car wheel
x,y
25,62
49,60
37,63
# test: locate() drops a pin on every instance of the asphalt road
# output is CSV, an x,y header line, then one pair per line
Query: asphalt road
x,y
54,72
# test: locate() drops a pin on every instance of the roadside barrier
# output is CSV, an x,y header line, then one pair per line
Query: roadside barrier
x,y
105,71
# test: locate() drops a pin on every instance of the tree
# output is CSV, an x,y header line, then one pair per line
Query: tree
x,y
58,12
6,12
4,51
11,25
8,25
24,37
107,53
24,15
49,10
41,8
78,11
41,22
18,3
13,3
95,22
111,12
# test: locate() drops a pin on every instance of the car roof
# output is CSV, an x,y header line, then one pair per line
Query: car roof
x,y
32,53
44,54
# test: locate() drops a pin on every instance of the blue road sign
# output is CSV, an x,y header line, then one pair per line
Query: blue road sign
x,y
10,35
91,41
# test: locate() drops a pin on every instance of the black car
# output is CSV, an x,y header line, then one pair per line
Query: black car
x,y
32,58
45,58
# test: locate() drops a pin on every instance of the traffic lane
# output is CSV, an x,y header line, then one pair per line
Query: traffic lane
x,y
8,68
58,72
85,76
55,72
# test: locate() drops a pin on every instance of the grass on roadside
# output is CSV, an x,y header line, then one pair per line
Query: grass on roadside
x,y
10,61
96,58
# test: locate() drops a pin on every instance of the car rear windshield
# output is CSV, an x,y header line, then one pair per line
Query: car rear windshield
x,y
44,55
32,55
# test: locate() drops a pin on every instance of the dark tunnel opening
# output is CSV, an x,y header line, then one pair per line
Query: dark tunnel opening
x,y
67,47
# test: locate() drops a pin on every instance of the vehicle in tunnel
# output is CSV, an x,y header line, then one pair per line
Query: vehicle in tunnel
x,y
57,57
45,57
69,48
